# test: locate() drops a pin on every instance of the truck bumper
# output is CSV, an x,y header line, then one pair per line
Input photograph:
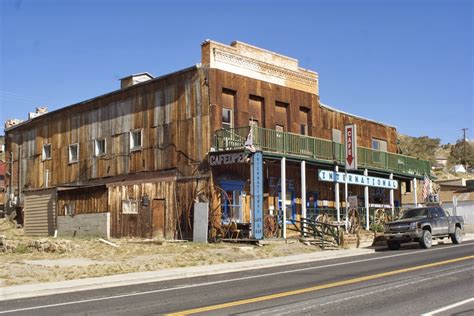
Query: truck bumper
x,y
403,236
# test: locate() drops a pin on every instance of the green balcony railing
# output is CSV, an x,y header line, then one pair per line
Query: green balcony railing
x,y
273,141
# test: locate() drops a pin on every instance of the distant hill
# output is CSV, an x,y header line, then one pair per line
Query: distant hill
x,y
431,149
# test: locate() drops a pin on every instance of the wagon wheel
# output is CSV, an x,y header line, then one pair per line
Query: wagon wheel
x,y
379,216
269,226
322,218
354,221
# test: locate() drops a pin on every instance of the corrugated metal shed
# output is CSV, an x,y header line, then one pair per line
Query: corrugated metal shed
x,y
40,212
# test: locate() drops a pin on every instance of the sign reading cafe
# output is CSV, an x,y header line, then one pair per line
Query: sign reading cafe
x,y
217,159
357,179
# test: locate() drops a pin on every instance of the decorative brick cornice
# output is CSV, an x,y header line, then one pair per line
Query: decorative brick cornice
x,y
264,68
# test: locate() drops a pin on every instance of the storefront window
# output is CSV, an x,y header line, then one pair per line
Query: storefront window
x,y
231,207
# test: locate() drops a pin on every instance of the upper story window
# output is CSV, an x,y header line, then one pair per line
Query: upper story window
x,y
47,151
229,99
227,118
136,139
304,120
379,144
99,147
303,129
73,153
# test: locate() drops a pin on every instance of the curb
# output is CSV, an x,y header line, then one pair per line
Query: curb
x,y
61,287
43,289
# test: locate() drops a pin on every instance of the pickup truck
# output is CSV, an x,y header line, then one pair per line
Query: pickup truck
x,y
423,225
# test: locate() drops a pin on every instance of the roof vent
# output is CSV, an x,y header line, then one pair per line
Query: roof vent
x,y
134,79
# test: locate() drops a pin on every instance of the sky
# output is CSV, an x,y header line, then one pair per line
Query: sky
x,y
407,63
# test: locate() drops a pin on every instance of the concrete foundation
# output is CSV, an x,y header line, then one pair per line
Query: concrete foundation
x,y
96,224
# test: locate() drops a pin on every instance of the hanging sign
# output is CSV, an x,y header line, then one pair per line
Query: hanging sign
x,y
357,179
351,147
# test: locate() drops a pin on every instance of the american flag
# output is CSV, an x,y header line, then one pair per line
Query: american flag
x,y
426,187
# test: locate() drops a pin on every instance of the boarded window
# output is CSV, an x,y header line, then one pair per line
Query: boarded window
x,y
256,109
304,121
281,114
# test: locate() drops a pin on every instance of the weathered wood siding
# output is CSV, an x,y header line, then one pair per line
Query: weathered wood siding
x,y
84,200
172,113
138,225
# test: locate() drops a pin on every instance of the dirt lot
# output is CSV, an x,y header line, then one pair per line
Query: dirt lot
x,y
32,262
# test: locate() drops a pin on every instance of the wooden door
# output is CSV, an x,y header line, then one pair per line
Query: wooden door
x,y
158,218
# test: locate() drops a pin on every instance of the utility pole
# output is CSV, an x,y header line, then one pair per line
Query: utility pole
x,y
464,140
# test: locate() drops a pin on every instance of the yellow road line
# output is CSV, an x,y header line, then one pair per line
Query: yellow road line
x,y
316,288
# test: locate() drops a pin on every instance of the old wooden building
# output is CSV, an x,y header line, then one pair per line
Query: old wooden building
x,y
134,161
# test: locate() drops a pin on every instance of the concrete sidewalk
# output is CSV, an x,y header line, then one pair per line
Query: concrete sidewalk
x,y
42,289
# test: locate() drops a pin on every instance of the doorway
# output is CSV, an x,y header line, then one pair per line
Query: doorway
x,y
158,218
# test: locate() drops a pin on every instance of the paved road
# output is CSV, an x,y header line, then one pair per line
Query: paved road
x,y
411,281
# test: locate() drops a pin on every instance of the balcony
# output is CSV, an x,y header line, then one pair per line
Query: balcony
x,y
321,150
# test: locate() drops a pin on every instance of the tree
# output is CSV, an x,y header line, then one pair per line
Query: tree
x,y
462,153
422,147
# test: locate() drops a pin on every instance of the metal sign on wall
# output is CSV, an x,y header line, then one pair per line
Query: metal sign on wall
x,y
257,195
218,159
351,147
357,179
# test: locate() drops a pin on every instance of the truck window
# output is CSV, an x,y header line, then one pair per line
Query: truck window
x,y
441,212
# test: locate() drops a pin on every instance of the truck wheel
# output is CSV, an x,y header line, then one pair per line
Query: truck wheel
x,y
456,238
393,245
426,241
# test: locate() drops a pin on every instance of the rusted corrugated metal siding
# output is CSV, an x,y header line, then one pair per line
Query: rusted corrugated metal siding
x,y
321,120
39,212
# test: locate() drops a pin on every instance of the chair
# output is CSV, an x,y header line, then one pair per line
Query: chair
x,y
234,231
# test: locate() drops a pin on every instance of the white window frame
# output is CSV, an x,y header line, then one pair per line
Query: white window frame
x,y
96,148
231,123
69,209
43,152
135,148
70,160
379,144
129,207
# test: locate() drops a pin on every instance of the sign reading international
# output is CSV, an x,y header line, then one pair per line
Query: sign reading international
x,y
351,147
357,179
